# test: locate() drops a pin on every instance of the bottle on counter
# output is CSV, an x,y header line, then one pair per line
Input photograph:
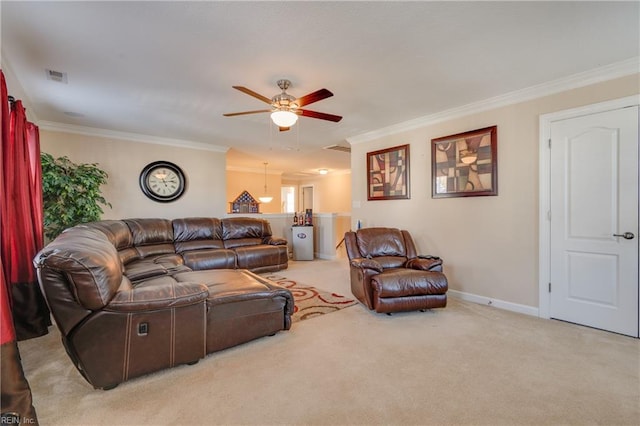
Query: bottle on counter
x,y
295,219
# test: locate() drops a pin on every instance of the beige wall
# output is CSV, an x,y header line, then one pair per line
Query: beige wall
x,y
210,187
124,160
331,193
489,244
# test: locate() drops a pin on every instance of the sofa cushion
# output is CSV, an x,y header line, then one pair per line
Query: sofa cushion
x,y
196,233
158,293
116,231
119,234
151,236
154,266
261,258
245,227
210,259
89,262
143,269
242,242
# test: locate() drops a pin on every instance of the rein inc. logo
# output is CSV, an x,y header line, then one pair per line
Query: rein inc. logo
x,y
15,419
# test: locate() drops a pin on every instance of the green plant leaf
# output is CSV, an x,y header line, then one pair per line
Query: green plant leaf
x,y
71,193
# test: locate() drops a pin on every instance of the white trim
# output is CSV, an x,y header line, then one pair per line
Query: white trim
x,y
608,72
496,303
135,137
544,202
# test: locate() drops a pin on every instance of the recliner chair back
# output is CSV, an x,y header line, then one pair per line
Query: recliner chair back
x,y
391,247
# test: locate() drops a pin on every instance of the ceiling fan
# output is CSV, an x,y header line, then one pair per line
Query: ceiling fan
x,y
285,108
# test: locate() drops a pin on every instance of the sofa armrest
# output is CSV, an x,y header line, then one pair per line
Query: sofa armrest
x,y
424,263
166,293
275,241
365,263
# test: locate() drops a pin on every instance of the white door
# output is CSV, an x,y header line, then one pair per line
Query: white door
x,y
307,198
594,220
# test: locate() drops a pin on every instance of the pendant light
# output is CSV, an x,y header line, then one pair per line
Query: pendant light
x,y
265,198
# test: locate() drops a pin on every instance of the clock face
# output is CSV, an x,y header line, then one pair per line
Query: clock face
x,y
162,181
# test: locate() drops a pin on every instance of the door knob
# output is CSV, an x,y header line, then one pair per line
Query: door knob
x,y
626,235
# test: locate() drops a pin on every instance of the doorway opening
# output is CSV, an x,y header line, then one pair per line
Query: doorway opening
x,y
288,197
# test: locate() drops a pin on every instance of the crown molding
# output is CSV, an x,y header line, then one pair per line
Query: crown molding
x,y
135,137
586,78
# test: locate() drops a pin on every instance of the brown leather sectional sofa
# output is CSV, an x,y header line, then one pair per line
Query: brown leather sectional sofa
x,y
135,296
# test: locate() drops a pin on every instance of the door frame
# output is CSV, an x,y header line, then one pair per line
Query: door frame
x,y
544,188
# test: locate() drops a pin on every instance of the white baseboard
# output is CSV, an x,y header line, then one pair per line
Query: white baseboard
x,y
496,303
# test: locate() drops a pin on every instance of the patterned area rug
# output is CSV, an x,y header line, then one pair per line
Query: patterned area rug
x,y
311,302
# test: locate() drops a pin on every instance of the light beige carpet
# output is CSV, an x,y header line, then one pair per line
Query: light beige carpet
x,y
466,364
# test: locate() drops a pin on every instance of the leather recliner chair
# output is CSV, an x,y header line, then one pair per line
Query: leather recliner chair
x,y
387,274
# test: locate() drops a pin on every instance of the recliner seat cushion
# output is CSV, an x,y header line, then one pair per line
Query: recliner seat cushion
x,y
261,258
408,282
210,259
158,293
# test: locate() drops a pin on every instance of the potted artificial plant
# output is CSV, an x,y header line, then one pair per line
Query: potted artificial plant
x,y
71,193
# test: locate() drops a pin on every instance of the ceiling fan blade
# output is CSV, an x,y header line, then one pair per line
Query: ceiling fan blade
x,y
320,115
252,93
316,96
232,114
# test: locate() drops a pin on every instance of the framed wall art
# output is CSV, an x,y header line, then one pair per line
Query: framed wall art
x,y
388,174
465,165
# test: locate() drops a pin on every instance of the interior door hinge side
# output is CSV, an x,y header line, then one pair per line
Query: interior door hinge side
x,y
549,287
549,142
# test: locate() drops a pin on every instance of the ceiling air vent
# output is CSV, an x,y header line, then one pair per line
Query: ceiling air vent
x,y
339,148
60,77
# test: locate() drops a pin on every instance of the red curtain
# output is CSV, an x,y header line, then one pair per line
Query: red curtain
x,y
7,334
21,228
16,403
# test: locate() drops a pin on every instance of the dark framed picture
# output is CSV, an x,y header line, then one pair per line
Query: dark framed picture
x,y
465,165
388,174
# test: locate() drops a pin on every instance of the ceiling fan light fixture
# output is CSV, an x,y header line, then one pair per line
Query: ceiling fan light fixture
x,y
283,118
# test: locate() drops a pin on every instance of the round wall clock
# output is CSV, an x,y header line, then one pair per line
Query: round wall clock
x,y
162,181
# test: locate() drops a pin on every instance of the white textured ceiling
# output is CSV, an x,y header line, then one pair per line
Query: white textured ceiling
x,y
165,69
